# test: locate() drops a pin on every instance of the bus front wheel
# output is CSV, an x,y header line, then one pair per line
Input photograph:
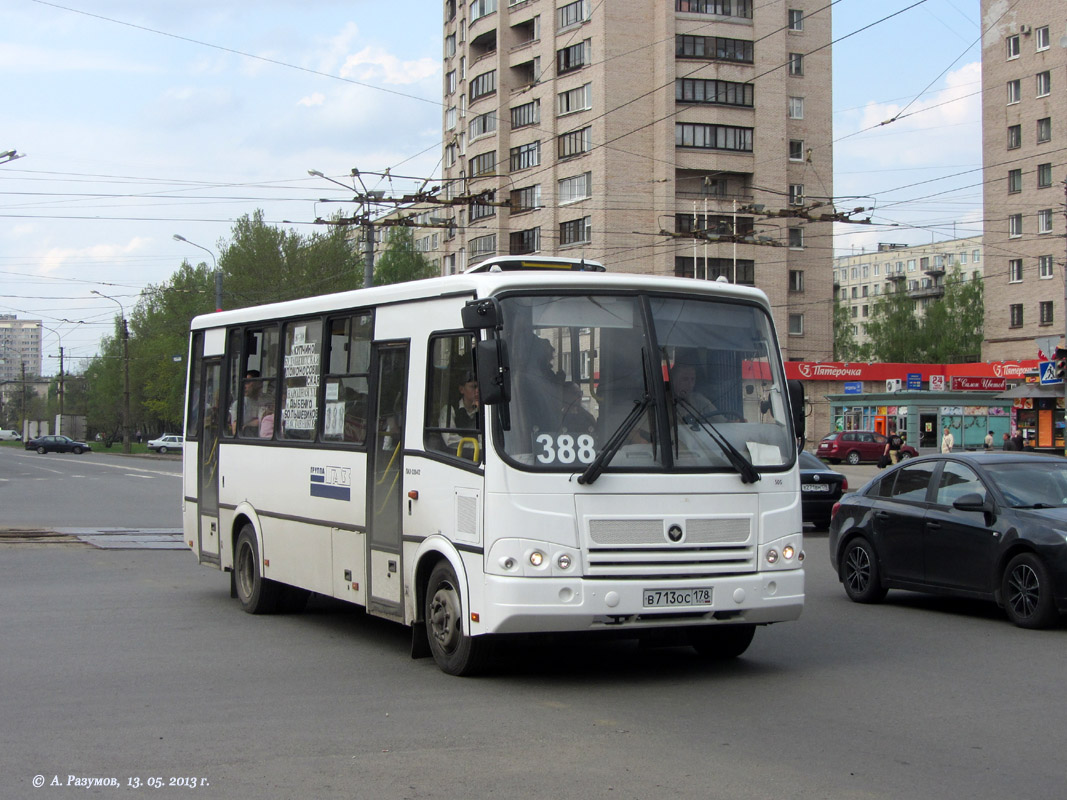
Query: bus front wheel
x,y
455,652
257,594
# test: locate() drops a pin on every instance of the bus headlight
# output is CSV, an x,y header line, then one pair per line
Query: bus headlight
x,y
784,553
533,559
564,561
537,558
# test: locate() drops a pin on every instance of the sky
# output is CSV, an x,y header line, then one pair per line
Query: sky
x,y
140,120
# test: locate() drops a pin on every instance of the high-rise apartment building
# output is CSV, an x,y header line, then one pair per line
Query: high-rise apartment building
x,y
20,343
1024,130
650,136
861,279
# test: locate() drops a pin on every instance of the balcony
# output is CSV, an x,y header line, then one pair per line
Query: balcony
x,y
934,290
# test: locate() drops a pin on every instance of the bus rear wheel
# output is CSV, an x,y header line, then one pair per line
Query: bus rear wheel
x,y
721,642
257,594
455,652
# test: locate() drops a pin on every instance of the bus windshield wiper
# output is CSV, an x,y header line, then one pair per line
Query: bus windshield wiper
x,y
749,474
611,447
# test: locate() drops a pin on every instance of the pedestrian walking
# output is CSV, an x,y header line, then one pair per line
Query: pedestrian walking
x,y
947,441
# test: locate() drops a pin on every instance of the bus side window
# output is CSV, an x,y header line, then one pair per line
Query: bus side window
x,y
347,388
453,423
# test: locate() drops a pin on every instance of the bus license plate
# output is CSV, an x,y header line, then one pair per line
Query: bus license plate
x,y
668,598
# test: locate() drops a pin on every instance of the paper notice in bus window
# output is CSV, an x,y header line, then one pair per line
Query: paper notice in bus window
x,y
764,455
300,406
333,390
334,424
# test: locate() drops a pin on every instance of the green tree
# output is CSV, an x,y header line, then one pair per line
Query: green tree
x,y
264,264
400,261
845,346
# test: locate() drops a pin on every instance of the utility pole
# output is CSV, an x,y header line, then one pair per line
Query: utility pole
x,y
125,372
215,264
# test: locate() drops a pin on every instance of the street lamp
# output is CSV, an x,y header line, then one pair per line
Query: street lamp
x,y
59,427
125,372
218,275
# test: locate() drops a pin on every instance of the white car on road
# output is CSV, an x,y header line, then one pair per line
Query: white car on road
x,y
167,442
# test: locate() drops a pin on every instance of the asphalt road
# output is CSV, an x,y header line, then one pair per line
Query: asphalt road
x,y
137,665
92,490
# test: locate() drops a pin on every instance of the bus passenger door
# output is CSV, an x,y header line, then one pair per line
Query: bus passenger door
x,y
385,476
208,462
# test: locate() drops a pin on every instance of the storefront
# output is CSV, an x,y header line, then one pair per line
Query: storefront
x,y
1037,415
918,399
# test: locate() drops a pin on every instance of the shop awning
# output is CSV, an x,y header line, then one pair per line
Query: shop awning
x,y
1032,390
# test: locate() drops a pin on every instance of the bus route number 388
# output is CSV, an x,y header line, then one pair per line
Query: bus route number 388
x,y
563,448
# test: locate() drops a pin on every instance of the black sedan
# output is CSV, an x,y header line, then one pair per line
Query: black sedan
x,y
56,444
982,525
820,488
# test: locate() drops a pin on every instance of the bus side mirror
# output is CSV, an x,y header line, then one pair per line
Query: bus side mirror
x,y
796,408
494,371
480,315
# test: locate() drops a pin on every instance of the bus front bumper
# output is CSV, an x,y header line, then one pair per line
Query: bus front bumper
x,y
532,605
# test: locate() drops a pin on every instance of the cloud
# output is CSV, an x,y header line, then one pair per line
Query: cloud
x,y
57,257
316,99
16,58
373,64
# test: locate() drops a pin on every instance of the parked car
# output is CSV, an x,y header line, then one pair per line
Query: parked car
x,y
57,444
857,446
983,525
820,488
166,442
9,435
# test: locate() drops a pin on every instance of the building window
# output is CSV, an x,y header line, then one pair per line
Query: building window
x,y
1044,176
450,154
1015,312
713,92
524,242
1015,181
481,211
1044,220
796,237
714,48
796,324
1044,130
572,14
1015,270
1013,46
976,256
796,149
1041,38
796,19
480,8
580,187
450,45
526,199
1045,307
483,85
483,164
796,108
724,8
713,137
796,194
1015,225
482,125
483,246
796,280
575,231
450,118
525,156
1015,137
450,82
1044,84
1014,91
741,271
796,64
580,99
574,143
574,57
526,114
1044,266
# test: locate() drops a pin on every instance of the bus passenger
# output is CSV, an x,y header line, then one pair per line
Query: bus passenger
x,y
464,415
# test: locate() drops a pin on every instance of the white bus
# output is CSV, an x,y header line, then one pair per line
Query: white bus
x,y
532,446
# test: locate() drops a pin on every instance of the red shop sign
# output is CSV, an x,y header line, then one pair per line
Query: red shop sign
x,y
974,384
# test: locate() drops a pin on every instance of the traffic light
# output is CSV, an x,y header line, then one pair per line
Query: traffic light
x,y
1059,367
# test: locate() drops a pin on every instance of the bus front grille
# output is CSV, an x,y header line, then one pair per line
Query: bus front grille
x,y
646,548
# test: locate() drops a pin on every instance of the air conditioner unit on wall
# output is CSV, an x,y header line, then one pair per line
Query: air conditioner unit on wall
x,y
893,385
1025,30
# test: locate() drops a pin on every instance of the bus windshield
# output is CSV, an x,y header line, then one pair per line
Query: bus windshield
x,y
643,382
